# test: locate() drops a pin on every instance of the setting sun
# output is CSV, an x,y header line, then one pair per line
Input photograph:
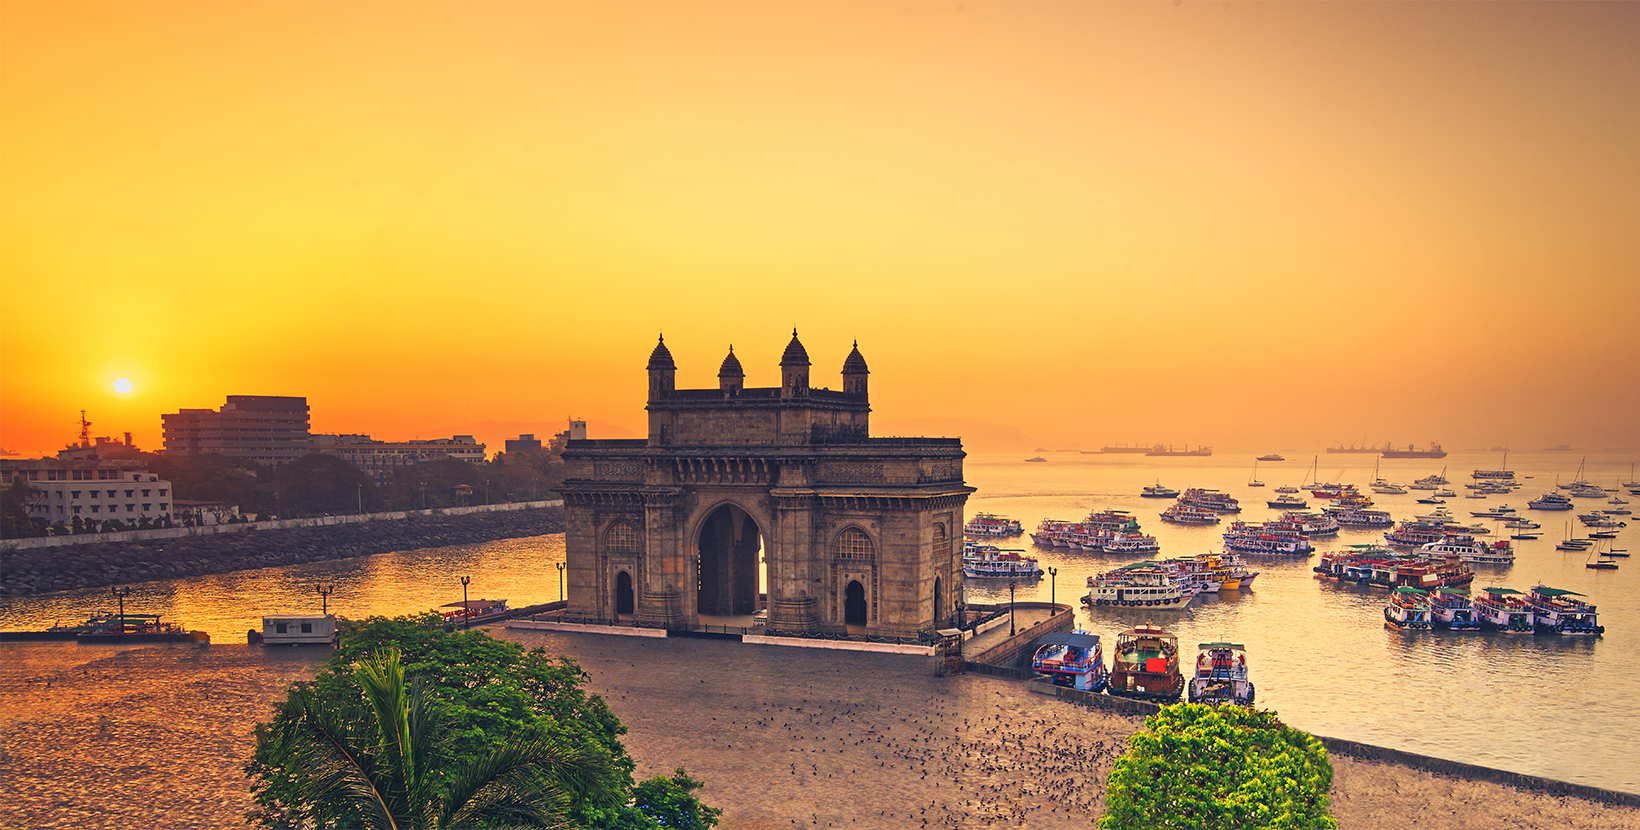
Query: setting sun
x,y
122,386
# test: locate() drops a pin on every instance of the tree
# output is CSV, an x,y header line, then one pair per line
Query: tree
x,y
318,484
369,763
491,692
14,519
1219,768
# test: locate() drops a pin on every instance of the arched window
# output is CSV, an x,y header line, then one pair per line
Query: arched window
x,y
623,538
853,543
942,543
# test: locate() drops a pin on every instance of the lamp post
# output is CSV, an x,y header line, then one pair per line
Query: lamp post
x,y
560,582
1052,572
324,597
1011,629
361,499
122,593
466,610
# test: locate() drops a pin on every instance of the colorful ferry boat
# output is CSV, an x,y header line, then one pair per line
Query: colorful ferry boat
x,y
1146,664
1408,608
1503,609
1221,675
1269,538
989,561
1450,608
1359,517
1072,659
1554,611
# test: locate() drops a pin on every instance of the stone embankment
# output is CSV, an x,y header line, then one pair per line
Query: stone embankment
x,y
100,564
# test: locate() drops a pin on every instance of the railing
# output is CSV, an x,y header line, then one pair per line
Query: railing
x,y
924,638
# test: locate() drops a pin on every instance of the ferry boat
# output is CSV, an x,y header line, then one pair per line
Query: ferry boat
x,y
1503,609
1148,585
1157,491
1450,608
1312,524
1210,500
1072,659
1472,550
1408,608
1555,612
1411,451
1131,543
988,561
1502,511
1358,517
1378,566
987,524
1271,538
137,628
1221,675
1287,489
1146,664
1418,532
1287,502
1180,513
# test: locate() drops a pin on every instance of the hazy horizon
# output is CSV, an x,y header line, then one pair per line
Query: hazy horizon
x,y
1247,226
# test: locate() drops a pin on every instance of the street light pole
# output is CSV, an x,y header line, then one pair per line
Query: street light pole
x,y
1012,630
361,499
122,593
560,582
1052,572
324,597
466,610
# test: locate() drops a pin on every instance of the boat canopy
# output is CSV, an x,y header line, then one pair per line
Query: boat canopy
x,y
1555,592
1500,591
1222,645
1408,589
1069,638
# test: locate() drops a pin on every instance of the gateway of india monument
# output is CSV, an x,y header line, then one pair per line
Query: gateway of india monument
x,y
784,485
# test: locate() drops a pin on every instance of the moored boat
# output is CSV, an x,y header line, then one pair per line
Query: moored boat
x,y
987,524
1073,659
1149,585
1157,491
1221,675
1145,664
1450,608
1208,499
1189,514
1408,608
1287,502
1554,611
1503,609
1472,550
989,561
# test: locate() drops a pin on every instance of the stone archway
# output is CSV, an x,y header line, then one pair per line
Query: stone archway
x,y
854,603
727,562
624,603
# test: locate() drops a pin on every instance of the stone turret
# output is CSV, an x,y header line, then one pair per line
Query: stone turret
x,y
663,373
794,370
731,378
854,372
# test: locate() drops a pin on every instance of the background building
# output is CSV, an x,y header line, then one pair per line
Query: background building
x,y
129,499
266,429
379,458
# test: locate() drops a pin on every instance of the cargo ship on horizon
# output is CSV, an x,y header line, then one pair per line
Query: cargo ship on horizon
x,y
1411,451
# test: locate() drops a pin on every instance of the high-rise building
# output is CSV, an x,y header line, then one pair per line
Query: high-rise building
x,y
266,429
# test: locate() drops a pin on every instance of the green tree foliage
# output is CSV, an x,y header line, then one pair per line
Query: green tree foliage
x,y
492,693
318,484
14,520
367,761
527,475
214,477
1219,768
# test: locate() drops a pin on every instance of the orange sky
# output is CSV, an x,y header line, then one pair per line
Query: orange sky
x,y
1243,225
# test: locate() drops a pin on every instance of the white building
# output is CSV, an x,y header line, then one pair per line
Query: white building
x,y
135,496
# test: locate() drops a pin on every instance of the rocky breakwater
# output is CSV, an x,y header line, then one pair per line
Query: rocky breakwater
x,y
96,565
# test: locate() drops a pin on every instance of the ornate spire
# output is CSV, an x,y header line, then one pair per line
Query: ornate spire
x,y
731,366
795,354
855,364
661,357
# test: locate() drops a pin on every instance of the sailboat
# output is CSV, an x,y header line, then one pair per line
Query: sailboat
x,y
1604,562
1254,482
1379,485
1314,471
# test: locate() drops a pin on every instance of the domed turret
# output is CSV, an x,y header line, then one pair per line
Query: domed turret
x,y
731,378
794,369
662,371
855,371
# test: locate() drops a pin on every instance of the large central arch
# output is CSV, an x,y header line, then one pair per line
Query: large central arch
x,y
727,553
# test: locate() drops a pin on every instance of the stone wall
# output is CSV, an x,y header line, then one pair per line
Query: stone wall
x,y
26,571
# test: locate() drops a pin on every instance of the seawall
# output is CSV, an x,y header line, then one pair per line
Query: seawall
x,y
137,556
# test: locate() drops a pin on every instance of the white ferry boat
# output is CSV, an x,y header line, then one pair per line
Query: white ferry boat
x,y
988,561
1159,492
1187,514
1469,549
1550,501
1408,608
1139,585
1221,675
986,524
